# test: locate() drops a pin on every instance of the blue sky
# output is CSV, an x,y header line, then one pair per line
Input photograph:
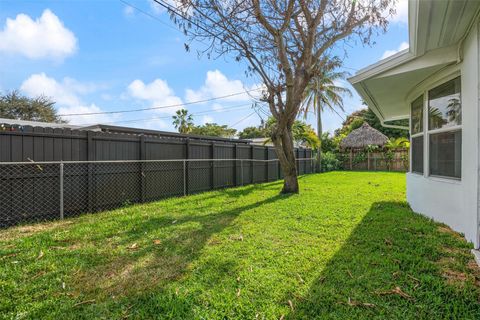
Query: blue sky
x,y
95,56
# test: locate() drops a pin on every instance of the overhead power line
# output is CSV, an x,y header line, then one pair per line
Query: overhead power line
x,y
243,119
205,112
160,107
150,15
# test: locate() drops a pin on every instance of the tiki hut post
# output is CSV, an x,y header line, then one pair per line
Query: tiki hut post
x,y
368,160
351,158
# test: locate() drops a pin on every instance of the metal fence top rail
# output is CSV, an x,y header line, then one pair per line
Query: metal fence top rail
x,y
136,161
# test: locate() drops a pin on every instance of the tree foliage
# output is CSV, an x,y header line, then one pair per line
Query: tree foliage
x,y
285,43
323,93
303,133
183,121
357,118
214,130
14,105
252,133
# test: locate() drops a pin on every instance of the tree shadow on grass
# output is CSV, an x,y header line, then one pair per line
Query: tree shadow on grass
x,y
153,253
392,247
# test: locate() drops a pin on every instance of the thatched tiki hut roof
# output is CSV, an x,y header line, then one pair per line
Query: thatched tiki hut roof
x,y
363,137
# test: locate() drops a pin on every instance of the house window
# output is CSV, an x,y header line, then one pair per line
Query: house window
x,y
444,129
445,154
417,116
417,154
416,127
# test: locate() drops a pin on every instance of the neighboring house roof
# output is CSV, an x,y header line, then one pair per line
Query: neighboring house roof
x,y
138,131
436,33
363,137
261,141
268,142
118,129
37,124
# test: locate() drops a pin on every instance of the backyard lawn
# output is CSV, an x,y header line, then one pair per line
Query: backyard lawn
x,y
347,247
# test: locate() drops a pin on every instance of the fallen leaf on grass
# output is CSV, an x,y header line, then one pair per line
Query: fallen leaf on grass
x,y
238,238
417,282
84,302
125,312
156,241
57,248
290,304
133,246
300,278
353,303
40,255
9,255
238,292
38,275
396,291
413,278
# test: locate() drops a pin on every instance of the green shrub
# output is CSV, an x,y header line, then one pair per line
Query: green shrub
x,y
330,162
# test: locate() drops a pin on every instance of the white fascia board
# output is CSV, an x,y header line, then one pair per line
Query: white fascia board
x,y
382,66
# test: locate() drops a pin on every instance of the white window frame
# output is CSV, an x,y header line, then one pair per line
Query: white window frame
x,y
416,135
426,132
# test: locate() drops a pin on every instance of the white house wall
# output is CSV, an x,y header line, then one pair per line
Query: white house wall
x,y
453,202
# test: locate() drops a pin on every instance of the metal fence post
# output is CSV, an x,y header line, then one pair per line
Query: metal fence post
x,y
184,177
61,190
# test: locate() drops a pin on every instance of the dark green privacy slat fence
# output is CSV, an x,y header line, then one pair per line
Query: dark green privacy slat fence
x,y
103,171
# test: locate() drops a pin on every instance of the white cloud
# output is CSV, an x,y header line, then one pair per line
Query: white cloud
x,y
217,107
40,84
388,53
87,119
401,15
66,96
155,124
207,119
218,85
158,93
128,11
45,37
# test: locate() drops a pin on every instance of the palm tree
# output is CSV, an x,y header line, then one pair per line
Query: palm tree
x,y
183,121
454,111
396,144
323,92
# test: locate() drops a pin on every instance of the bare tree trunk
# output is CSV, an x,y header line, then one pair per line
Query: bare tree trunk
x,y
319,133
283,143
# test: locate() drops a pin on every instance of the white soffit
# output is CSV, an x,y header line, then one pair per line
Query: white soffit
x,y
436,29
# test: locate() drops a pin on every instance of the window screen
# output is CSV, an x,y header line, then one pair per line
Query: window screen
x,y
446,154
417,154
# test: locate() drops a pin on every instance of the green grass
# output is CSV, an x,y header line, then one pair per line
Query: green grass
x,y
335,251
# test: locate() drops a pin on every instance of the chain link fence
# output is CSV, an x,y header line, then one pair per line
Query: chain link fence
x,y
39,191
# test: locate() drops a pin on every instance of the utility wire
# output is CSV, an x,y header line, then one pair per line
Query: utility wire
x,y
243,119
155,108
233,108
150,15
